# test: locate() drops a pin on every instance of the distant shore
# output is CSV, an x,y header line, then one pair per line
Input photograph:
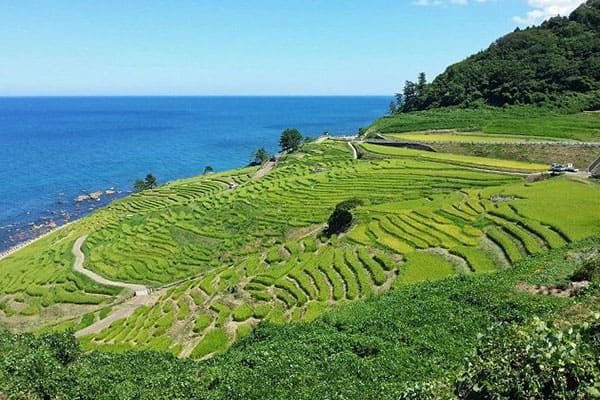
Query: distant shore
x,y
26,243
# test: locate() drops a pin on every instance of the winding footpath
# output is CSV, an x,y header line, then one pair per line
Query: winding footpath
x,y
123,310
140,290
354,152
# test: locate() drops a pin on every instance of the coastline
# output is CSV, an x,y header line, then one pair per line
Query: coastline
x,y
26,243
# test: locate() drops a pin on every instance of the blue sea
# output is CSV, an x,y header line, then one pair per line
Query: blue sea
x,y
53,149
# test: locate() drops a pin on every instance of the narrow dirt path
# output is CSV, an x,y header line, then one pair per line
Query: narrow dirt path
x,y
140,290
354,152
123,310
265,169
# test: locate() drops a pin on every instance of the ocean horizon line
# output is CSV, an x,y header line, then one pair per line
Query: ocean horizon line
x,y
196,96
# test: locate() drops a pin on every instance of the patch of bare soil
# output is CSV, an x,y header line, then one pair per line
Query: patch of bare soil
x,y
565,290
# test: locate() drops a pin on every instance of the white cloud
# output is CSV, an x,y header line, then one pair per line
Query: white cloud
x,y
543,9
425,3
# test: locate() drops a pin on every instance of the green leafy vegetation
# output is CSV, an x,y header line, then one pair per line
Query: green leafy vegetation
x,y
554,63
540,360
149,182
290,139
512,120
410,340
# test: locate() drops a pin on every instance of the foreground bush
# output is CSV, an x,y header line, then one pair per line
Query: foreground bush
x,y
538,361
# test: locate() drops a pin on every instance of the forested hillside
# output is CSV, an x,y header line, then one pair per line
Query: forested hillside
x,y
555,64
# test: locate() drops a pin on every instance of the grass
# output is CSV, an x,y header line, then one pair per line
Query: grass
x,y
381,347
464,137
422,266
580,156
523,120
454,158
253,258
214,341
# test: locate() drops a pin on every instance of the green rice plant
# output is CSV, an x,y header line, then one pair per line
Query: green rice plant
x,y
358,234
452,158
201,322
304,282
274,255
243,312
372,266
85,321
184,309
286,297
352,290
506,243
290,287
421,266
416,237
313,310
215,341
63,296
196,297
387,240
244,330
277,315
477,259
261,310
310,246
363,278
318,277
386,262
529,242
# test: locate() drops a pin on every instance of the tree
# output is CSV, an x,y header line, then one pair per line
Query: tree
x,y
421,83
207,169
261,155
290,139
150,181
393,108
339,221
341,218
139,185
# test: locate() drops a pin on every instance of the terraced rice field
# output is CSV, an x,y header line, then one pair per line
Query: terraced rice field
x,y
455,137
254,254
480,162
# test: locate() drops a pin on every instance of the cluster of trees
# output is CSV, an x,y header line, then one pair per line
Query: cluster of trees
x,y
537,65
149,182
290,140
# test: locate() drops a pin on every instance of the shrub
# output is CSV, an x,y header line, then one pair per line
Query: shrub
x,y
349,204
539,361
589,270
339,221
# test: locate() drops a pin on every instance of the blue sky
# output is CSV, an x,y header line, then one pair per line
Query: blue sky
x,y
267,47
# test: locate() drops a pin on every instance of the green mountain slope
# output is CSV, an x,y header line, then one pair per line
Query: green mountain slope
x,y
556,63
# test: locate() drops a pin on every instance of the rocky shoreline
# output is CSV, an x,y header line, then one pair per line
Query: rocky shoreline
x,y
19,234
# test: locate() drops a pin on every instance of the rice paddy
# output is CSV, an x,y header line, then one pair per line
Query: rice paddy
x,y
254,253
465,160
455,137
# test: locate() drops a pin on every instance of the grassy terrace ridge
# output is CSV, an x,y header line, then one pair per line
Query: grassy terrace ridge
x,y
462,137
254,254
513,120
480,162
